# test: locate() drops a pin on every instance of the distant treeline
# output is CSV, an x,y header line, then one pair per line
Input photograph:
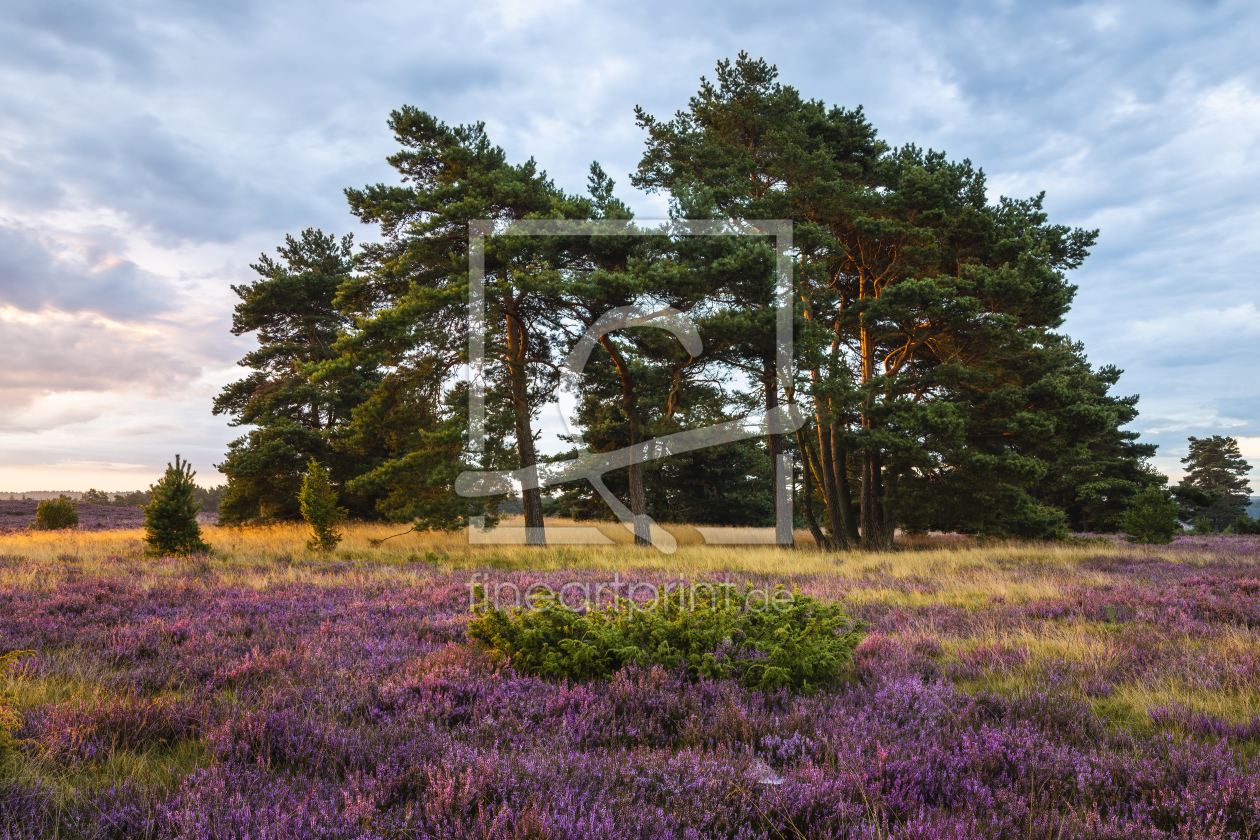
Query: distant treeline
x,y
207,498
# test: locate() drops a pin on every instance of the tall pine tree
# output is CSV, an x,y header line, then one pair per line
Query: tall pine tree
x,y
292,308
1215,465
919,299
410,308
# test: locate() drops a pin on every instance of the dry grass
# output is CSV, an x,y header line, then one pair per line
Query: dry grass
x,y
922,572
982,570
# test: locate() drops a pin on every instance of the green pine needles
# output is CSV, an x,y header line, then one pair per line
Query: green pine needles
x,y
170,518
1151,518
319,508
55,514
786,640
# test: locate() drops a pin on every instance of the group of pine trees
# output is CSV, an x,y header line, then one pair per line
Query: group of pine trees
x,y
937,392
208,498
1214,496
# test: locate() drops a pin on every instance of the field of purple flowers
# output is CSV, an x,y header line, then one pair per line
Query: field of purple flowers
x,y
17,515
176,700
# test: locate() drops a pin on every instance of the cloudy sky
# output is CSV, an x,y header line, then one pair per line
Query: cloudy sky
x,y
150,149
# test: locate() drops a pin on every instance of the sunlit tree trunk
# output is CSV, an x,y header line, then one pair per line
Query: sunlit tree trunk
x,y
808,467
844,497
518,345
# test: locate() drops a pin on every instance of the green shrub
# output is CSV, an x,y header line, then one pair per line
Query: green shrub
x,y
319,508
1151,517
55,514
789,640
170,518
1244,524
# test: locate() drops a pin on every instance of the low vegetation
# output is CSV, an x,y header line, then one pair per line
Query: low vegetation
x,y
1005,690
780,639
318,501
55,514
9,717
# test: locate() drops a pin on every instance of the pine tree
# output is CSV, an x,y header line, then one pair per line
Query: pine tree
x,y
1216,465
319,508
292,309
1151,517
170,519
411,308
919,297
1095,467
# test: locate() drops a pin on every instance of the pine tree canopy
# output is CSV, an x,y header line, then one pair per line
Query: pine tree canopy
x,y
292,310
938,390
170,517
1216,468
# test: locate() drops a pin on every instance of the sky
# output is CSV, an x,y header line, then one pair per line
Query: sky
x,y
151,150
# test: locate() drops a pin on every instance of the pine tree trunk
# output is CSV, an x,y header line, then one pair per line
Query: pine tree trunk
x,y
867,503
807,473
872,524
530,497
840,468
887,511
833,476
638,497
877,522
835,509
782,524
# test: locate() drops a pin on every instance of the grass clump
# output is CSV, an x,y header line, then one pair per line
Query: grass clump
x,y
9,717
170,519
787,640
56,514
319,508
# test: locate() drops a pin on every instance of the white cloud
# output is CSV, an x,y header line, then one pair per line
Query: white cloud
x,y
59,353
149,151
1192,421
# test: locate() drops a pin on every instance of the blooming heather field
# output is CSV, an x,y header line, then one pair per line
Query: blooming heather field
x,y
20,515
1091,690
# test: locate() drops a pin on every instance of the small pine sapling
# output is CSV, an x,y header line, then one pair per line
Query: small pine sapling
x,y
170,519
319,508
55,514
1151,517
